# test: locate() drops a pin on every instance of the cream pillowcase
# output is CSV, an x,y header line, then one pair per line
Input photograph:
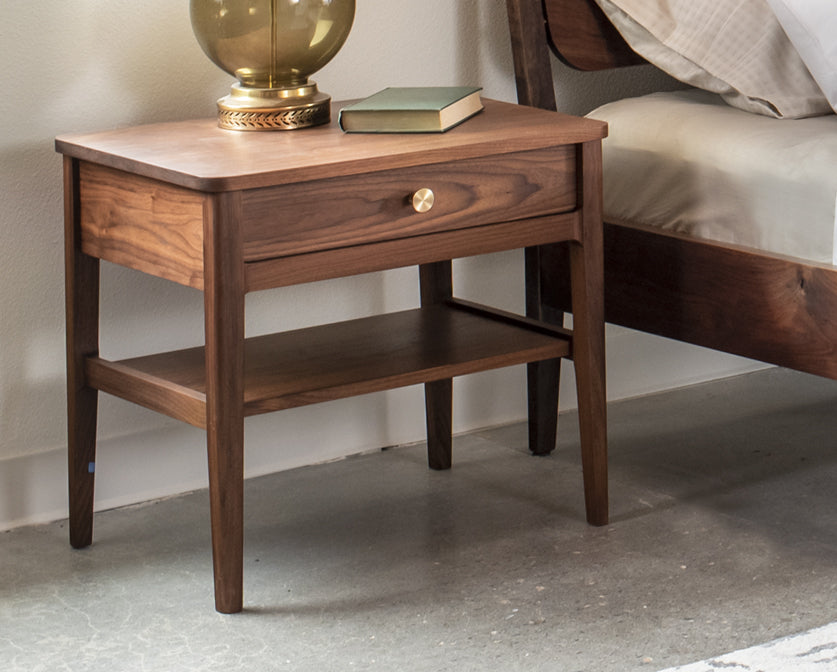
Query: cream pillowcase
x,y
736,48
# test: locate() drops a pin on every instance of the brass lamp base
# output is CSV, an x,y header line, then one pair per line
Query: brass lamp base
x,y
276,109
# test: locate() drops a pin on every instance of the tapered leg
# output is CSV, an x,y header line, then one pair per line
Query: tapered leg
x,y
224,328
542,377
587,272
82,333
438,401
437,287
542,381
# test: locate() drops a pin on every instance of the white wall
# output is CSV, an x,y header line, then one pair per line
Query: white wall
x,y
89,65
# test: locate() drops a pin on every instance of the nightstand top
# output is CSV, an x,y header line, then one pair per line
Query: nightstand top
x,y
196,154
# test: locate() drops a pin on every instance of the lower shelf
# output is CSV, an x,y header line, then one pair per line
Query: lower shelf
x,y
338,360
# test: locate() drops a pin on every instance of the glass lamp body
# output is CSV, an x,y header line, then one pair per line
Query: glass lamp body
x,y
271,47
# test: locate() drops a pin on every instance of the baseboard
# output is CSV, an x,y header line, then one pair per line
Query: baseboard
x,y
171,459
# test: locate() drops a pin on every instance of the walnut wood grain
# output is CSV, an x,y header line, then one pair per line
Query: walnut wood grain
x,y
751,303
339,212
143,224
587,273
535,325
224,386
572,277
542,378
532,67
436,287
82,334
582,36
197,155
410,251
178,401
334,361
755,304
230,213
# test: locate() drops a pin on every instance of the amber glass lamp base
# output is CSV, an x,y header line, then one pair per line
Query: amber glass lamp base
x,y
272,47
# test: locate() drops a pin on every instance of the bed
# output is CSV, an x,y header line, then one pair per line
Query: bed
x,y
729,280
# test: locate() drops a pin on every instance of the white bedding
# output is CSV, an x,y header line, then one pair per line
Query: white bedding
x,y
811,26
685,161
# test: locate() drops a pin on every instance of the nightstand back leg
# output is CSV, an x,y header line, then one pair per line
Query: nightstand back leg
x,y
542,377
437,287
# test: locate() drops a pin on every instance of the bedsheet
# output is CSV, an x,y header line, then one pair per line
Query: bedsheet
x,y
685,161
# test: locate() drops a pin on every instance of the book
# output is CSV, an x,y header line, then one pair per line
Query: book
x,y
412,109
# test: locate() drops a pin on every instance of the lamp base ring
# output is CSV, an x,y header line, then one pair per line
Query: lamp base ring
x,y
285,109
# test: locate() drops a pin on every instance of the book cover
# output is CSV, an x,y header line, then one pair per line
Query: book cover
x,y
416,109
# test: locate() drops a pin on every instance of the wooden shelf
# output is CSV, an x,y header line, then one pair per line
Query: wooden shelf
x,y
338,360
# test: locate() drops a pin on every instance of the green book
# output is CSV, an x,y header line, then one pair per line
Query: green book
x,y
413,109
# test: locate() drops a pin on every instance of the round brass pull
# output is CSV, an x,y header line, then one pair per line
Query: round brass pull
x,y
423,200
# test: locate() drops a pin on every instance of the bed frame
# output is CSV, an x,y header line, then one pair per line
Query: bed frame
x,y
776,309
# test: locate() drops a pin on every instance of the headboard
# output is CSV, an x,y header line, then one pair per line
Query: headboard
x,y
577,31
583,38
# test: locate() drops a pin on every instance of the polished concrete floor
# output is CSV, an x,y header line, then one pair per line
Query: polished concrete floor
x,y
723,534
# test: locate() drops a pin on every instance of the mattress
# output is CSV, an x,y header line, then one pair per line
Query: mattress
x,y
685,161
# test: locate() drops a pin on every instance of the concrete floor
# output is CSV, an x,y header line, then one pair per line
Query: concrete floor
x,y
723,535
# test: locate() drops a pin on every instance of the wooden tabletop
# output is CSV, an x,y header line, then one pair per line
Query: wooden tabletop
x,y
198,155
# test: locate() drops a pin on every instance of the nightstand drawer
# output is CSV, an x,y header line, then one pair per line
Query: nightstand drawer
x,y
342,212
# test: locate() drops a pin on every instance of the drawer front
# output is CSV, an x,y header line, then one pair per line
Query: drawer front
x,y
341,212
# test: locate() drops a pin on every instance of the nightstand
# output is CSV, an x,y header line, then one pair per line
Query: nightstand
x,y
229,213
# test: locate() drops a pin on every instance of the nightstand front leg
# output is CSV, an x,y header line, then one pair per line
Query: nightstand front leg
x,y
587,271
82,316
437,287
224,331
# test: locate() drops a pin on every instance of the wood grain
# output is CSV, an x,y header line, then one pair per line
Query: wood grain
x,y
410,251
582,36
587,273
224,386
755,304
436,287
343,359
143,224
542,378
532,67
339,212
178,401
81,293
198,155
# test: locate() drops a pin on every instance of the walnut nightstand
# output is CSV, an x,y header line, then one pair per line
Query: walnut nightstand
x,y
228,213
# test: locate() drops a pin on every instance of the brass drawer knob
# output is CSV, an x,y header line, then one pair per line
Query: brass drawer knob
x,y
423,200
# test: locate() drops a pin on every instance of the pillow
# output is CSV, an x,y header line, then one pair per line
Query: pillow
x,y
811,26
736,48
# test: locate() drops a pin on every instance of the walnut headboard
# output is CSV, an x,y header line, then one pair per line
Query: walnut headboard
x,y
583,38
